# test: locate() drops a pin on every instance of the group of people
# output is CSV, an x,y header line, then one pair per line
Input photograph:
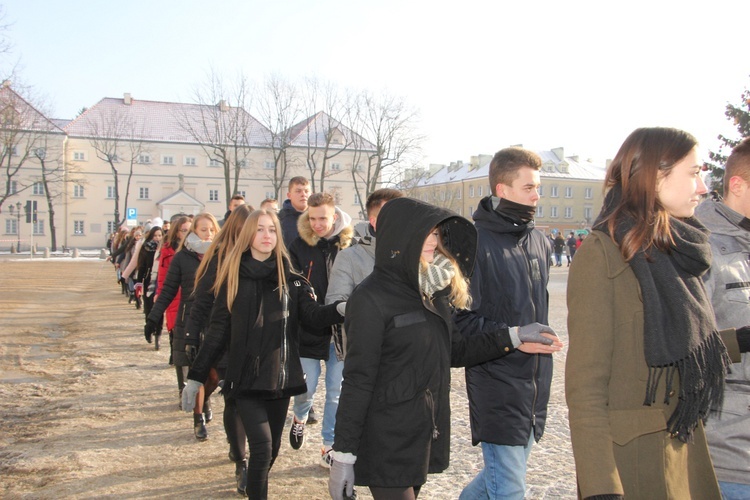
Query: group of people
x,y
568,246
657,328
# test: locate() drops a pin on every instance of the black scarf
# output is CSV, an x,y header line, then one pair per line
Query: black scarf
x,y
521,215
679,333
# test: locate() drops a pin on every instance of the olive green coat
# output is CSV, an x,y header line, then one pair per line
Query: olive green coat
x,y
621,446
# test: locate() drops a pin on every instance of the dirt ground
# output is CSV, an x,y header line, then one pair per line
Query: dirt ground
x,y
90,410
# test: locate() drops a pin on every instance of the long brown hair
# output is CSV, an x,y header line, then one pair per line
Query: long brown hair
x,y
223,241
646,154
229,270
173,236
459,297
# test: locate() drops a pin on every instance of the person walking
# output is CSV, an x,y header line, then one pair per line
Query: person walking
x,y
297,194
260,305
646,362
559,245
571,243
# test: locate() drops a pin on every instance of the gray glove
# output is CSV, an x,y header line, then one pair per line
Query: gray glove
x,y
532,333
341,480
189,395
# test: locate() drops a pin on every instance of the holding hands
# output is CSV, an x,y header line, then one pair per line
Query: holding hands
x,y
535,338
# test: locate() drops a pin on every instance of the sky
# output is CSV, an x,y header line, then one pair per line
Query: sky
x,y
484,74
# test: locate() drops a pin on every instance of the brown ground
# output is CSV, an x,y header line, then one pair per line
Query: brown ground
x,y
89,410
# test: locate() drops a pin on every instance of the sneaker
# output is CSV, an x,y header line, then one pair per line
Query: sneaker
x,y
312,416
297,434
325,457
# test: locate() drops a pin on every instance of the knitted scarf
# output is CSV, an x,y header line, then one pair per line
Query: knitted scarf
x,y
436,275
680,334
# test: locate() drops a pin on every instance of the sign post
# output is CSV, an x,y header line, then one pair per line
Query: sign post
x,y
132,217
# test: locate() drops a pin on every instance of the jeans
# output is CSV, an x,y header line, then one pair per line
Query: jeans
x,y
558,258
734,491
334,376
504,473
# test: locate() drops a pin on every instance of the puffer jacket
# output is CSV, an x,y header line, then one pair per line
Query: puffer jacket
x,y
508,396
352,265
394,409
728,286
261,332
313,257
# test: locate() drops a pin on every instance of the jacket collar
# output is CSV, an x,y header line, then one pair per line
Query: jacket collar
x,y
342,228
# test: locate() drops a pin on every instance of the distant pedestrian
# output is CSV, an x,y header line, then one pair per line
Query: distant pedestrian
x,y
571,244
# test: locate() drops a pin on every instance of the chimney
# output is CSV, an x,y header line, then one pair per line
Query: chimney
x,y
559,152
126,99
223,106
6,84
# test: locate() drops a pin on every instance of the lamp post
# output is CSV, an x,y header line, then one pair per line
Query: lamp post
x,y
18,224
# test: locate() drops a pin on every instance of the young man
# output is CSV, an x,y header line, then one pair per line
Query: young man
x,y
571,244
508,397
234,202
270,204
324,229
355,263
728,287
297,194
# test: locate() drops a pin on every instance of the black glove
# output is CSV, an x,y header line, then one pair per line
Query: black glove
x,y
532,333
191,351
743,338
150,329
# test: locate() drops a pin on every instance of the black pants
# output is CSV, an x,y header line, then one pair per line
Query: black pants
x,y
410,493
263,421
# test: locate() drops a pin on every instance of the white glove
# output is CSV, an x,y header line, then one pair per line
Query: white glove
x,y
341,480
341,308
189,395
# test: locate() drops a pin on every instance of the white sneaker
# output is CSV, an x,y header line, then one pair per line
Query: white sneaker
x,y
325,457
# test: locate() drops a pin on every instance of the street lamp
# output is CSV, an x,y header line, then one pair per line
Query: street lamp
x,y
18,224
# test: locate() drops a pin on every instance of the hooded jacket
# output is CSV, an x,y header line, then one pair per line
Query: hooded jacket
x,y
352,265
313,257
508,396
288,217
261,332
394,409
728,286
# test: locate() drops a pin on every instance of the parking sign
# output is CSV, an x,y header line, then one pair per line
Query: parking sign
x,y
132,217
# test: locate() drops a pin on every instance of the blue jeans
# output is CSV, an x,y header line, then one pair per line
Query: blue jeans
x,y
334,376
504,473
734,491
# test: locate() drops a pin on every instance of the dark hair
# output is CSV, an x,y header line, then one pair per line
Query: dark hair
x,y
142,252
380,196
507,162
319,199
172,239
738,164
645,154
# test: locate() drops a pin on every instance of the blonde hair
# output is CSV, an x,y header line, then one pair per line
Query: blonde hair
x,y
459,297
228,272
196,219
224,240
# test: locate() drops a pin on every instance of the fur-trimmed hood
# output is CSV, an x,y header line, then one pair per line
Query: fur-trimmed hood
x,y
341,228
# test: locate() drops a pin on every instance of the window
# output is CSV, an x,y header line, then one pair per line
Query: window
x,y
190,161
553,191
213,162
13,151
77,191
588,193
77,227
587,214
79,156
358,168
167,160
540,191
336,167
539,211
568,212
242,163
568,192
111,227
242,193
553,212
458,193
144,159
13,187
356,199
213,195
37,188
268,164
143,193
38,227
479,191
471,191
11,226
114,158
110,192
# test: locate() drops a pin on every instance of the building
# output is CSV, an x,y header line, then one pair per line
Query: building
x,y
144,159
571,189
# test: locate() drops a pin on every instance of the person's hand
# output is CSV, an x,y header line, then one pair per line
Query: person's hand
x,y
341,308
189,395
150,329
191,351
532,333
743,338
341,480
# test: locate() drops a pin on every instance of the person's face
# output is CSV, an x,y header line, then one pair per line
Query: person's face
x,y
234,204
184,230
372,217
138,235
265,239
205,230
430,244
165,227
681,189
298,195
271,206
524,189
158,236
322,219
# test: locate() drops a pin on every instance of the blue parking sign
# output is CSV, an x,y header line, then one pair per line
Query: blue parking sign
x,y
132,216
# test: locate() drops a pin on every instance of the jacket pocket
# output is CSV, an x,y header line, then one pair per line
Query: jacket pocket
x,y
626,425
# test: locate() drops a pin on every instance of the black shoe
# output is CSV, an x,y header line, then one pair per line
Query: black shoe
x,y
137,302
312,416
130,298
208,414
148,337
240,475
156,341
297,434
201,433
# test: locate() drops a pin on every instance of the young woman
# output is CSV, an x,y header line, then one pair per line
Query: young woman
x,y
180,277
645,363
127,264
259,305
145,264
393,422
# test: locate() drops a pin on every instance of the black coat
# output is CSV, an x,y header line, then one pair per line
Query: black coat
x,y
509,288
394,409
180,276
263,348
288,216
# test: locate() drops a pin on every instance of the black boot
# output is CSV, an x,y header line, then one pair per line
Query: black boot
x,y
137,302
208,415
156,340
240,475
201,433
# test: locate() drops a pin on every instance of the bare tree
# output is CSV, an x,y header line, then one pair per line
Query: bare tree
x,y
54,173
222,126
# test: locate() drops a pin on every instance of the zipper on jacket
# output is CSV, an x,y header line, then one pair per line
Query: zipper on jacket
x,y
536,393
431,406
536,356
284,351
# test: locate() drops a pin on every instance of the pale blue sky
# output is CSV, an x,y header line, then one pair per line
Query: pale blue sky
x,y
484,73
